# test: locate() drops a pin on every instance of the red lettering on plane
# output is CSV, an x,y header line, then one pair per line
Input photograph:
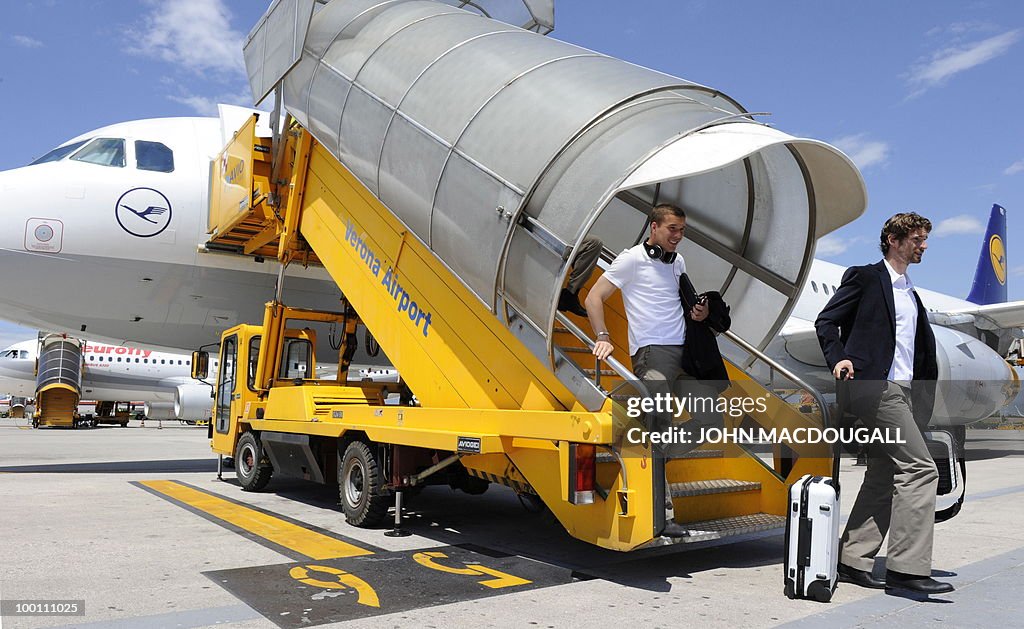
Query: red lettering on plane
x,y
110,349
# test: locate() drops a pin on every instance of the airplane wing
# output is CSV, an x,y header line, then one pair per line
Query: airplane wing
x,y
995,324
994,316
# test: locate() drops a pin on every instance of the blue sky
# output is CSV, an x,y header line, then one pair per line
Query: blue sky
x,y
924,96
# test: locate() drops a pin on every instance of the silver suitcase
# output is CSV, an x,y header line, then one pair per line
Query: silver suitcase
x,y
812,539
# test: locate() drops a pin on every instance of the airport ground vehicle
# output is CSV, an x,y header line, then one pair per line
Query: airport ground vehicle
x,y
487,410
450,248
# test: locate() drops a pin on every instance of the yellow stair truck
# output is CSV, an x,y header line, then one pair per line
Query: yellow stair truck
x,y
443,168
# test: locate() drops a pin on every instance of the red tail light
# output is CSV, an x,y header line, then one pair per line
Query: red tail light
x,y
584,473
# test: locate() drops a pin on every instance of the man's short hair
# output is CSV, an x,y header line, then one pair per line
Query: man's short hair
x,y
899,225
662,210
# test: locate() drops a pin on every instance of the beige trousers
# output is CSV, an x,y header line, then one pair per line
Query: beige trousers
x,y
898,494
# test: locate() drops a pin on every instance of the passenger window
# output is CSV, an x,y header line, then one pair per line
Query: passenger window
x,y
154,156
102,151
814,286
824,287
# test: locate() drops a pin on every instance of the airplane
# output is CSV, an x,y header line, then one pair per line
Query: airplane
x,y
972,335
161,380
113,222
82,241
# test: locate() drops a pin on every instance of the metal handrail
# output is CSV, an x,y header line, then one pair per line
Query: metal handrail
x,y
750,349
626,374
578,332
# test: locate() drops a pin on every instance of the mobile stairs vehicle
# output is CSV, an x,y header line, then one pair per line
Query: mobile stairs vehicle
x,y
447,207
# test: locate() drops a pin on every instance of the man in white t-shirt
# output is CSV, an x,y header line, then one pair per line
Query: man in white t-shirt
x,y
648,276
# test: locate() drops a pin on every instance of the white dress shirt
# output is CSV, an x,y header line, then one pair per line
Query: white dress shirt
x,y
902,370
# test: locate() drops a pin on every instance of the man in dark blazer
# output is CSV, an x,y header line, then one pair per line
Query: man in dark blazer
x,y
875,336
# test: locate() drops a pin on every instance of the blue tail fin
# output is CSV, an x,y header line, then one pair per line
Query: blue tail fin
x,y
990,279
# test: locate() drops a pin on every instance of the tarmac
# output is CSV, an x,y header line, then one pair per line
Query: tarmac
x,y
133,524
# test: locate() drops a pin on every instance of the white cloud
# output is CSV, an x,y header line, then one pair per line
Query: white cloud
x,y
832,245
26,42
195,35
963,224
953,60
964,28
864,152
202,105
206,105
1014,168
1017,271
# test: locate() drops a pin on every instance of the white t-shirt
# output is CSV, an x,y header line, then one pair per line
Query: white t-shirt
x,y
650,292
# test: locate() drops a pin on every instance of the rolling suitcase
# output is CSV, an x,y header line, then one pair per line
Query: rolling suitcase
x,y
812,539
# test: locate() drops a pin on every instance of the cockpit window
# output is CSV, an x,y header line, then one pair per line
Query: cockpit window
x,y
154,156
59,153
102,151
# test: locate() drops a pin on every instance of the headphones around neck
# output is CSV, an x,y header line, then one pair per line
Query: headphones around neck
x,y
657,252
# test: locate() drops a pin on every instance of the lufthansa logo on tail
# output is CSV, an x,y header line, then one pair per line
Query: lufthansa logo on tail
x,y
997,254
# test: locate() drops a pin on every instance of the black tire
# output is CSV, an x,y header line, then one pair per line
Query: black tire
x,y
359,486
252,468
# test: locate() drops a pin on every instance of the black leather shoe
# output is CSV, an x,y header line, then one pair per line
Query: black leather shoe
x,y
674,529
570,302
862,578
916,583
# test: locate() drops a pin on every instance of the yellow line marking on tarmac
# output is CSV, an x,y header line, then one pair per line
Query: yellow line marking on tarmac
x,y
310,543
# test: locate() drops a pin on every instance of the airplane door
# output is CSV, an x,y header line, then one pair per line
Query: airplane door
x,y
226,383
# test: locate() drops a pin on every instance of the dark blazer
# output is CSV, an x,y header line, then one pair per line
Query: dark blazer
x,y
859,324
701,356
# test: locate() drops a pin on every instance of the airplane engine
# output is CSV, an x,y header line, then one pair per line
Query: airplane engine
x,y
974,381
192,401
159,410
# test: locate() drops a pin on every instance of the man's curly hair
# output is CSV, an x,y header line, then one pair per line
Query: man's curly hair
x,y
899,225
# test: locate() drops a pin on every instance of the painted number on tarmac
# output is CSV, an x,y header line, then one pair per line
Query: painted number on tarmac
x,y
342,580
501,580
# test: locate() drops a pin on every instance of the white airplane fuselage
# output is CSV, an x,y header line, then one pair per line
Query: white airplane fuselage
x,y
81,255
115,252
109,372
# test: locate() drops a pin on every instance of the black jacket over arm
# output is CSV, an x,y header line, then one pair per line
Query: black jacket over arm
x,y
859,324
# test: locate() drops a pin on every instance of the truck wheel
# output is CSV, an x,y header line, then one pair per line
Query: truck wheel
x,y
359,486
251,468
